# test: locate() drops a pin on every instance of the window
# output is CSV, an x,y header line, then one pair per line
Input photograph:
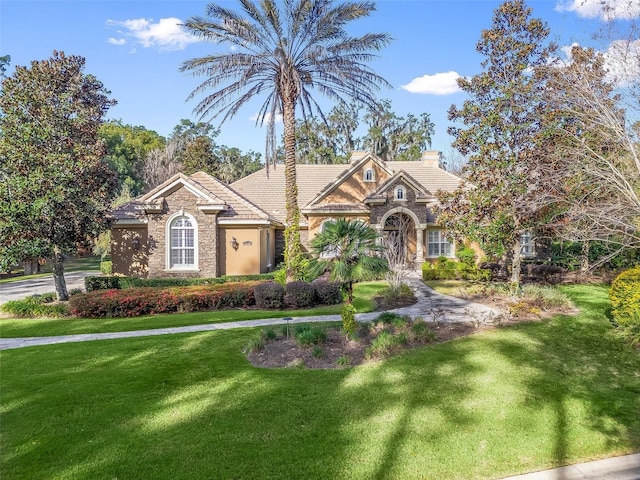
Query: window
x,y
368,175
182,246
399,194
438,244
527,245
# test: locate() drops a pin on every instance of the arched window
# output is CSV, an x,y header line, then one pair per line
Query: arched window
x,y
182,243
368,175
400,194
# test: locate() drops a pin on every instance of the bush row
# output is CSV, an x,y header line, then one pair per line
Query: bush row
x,y
134,302
35,306
121,283
446,269
297,294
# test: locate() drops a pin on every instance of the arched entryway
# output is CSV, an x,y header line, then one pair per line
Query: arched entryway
x,y
399,236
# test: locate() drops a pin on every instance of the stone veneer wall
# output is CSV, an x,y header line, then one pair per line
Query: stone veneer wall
x,y
378,211
182,199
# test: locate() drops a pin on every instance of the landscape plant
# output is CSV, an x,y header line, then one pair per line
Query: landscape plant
x,y
56,187
283,52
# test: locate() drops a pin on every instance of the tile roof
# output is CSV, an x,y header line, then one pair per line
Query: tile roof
x,y
268,190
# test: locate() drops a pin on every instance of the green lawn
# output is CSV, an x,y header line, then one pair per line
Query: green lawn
x,y
39,327
71,264
190,406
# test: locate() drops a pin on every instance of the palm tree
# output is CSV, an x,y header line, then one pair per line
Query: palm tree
x,y
284,51
349,251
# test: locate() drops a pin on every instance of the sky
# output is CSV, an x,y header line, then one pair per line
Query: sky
x,y
136,48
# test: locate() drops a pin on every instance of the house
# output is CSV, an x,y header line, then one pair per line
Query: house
x,y
196,226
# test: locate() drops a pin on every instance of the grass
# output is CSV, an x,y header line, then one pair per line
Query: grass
x,y
44,327
190,406
71,264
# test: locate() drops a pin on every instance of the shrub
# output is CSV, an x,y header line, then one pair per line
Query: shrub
x,y
429,272
270,334
118,282
389,318
106,267
328,293
311,336
317,352
349,324
466,256
420,331
383,345
625,304
401,292
269,295
134,302
300,294
625,294
343,360
545,297
34,307
256,343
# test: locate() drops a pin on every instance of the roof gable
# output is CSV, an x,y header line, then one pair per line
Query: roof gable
x,y
180,180
422,194
348,174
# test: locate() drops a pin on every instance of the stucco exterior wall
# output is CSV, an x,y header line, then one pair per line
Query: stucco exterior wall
x,y
174,202
130,258
355,189
315,222
245,260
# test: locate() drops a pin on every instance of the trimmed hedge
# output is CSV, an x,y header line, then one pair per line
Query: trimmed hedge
x,y
134,302
269,295
328,293
300,294
625,294
121,283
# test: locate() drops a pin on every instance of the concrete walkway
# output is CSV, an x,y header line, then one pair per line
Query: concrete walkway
x,y
626,467
430,305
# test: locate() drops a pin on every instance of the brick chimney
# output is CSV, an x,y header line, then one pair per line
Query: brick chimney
x,y
431,158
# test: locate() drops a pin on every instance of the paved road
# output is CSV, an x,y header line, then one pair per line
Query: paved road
x,y
23,288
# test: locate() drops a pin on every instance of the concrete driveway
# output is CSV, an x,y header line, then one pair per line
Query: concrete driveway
x,y
23,288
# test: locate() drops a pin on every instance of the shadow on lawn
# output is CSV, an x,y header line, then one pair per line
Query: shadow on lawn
x,y
191,406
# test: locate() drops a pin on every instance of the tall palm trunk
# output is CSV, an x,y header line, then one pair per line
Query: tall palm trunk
x,y
293,247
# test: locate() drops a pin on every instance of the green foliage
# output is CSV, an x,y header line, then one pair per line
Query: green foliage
x,y
308,335
420,331
447,269
106,282
501,123
625,303
383,345
402,292
270,333
285,77
256,343
126,149
349,251
56,188
269,295
106,267
349,324
568,255
467,256
388,318
35,307
343,360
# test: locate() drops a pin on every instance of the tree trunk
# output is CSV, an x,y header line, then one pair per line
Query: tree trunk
x,y
293,247
516,266
58,276
31,266
584,259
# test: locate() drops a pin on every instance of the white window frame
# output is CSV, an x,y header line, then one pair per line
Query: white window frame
x,y
527,245
400,188
170,247
369,175
441,241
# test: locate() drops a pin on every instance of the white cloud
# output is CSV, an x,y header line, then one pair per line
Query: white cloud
x,y
166,34
116,41
254,117
622,60
604,9
437,84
